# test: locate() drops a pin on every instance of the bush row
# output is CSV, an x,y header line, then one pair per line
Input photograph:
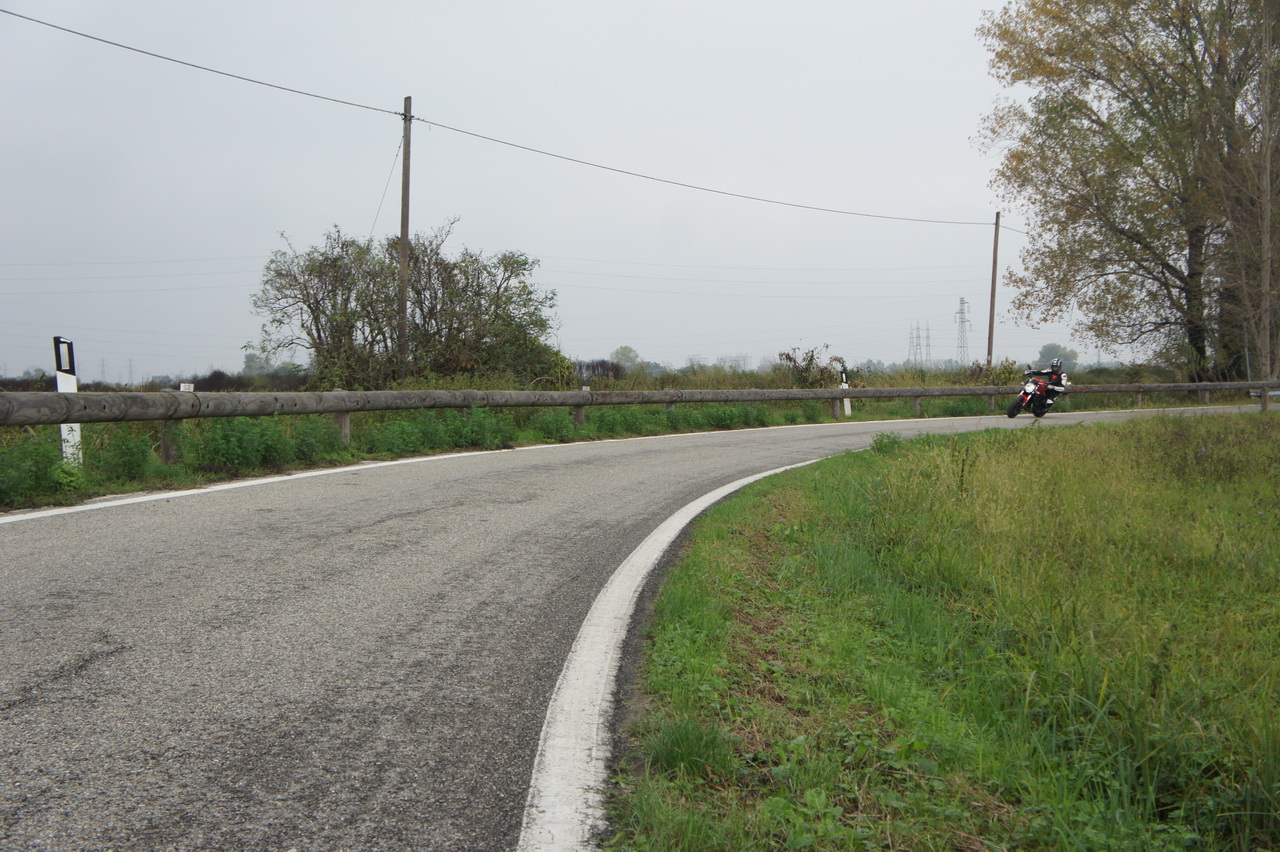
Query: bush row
x,y
121,456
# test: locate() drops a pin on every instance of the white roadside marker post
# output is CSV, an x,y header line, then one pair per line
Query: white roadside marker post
x,y
64,357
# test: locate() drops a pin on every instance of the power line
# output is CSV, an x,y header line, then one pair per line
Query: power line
x,y
390,175
137,262
691,185
131,290
127,277
739,281
504,142
199,67
760,268
743,296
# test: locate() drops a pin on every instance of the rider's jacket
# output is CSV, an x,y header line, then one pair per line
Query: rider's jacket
x,y
1057,378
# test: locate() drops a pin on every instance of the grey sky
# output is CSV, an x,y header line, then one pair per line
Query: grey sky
x,y
142,198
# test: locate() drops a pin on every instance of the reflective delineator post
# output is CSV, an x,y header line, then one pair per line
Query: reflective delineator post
x,y
844,385
64,357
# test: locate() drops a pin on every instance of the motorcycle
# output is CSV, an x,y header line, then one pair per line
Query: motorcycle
x,y
1034,398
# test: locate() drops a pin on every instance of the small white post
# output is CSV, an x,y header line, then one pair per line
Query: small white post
x,y
844,385
64,358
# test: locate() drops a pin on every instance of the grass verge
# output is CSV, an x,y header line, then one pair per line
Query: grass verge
x,y
126,457
1040,639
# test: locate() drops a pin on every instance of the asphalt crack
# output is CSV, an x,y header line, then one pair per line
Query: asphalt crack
x,y
28,693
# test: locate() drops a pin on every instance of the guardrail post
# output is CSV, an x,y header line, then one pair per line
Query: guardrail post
x,y
991,402
342,421
169,446
835,408
1204,397
915,403
1137,399
580,411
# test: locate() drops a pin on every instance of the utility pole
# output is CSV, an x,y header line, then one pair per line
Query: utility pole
x,y
404,245
995,274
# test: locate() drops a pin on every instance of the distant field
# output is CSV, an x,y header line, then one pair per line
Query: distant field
x,y
1037,639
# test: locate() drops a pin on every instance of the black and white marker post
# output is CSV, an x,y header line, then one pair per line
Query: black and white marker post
x,y
64,356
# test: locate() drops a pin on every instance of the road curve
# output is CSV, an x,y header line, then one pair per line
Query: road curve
x,y
355,660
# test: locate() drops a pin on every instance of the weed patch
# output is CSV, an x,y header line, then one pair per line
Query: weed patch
x,y
912,648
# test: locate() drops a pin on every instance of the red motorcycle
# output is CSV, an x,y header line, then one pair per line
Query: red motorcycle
x,y
1034,398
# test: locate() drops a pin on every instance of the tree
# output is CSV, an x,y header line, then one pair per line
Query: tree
x,y
1249,186
1113,157
471,313
627,358
1069,357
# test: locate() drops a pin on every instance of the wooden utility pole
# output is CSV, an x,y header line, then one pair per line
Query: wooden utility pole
x,y
995,275
404,244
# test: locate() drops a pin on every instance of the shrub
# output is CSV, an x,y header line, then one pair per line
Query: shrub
x,y
237,443
553,424
121,454
395,437
316,438
27,466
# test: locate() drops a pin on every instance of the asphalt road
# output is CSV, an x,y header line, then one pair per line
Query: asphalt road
x,y
356,660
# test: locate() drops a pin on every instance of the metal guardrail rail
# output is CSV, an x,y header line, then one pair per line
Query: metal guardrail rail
x,y
42,408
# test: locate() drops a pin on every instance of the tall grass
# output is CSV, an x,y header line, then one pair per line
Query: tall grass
x,y
1111,601
126,456
1075,632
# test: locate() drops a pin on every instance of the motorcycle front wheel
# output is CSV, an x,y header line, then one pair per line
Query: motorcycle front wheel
x,y
1015,407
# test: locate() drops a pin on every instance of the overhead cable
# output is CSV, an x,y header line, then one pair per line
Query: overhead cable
x,y
200,67
690,185
497,141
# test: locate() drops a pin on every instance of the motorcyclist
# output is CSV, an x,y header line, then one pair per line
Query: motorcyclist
x,y
1057,379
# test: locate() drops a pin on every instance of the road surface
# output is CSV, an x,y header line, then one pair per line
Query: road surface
x,y
360,659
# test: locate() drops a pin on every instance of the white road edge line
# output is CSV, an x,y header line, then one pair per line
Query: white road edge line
x,y
16,515
565,805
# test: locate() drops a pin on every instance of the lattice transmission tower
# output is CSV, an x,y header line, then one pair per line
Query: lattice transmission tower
x,y
962,340
914,358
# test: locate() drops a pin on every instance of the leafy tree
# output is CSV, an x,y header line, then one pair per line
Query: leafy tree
x,y
1113,156
627,358
1248,183
1049,351
340,301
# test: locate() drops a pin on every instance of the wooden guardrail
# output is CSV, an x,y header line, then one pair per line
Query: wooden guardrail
x,y
37,408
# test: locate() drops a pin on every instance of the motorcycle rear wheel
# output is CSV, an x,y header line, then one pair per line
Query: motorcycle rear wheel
x,y
1039,408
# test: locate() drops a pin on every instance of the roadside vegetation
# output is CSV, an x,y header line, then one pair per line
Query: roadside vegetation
x,y
1031,639
121,457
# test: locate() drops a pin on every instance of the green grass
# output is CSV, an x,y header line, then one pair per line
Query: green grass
x,y
1041,639
126,456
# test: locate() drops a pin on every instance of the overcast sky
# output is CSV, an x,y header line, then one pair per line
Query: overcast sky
x,y
140,199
